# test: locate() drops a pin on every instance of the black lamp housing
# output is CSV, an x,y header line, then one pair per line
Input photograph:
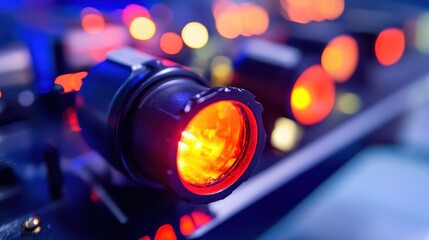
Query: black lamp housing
x,y
133,107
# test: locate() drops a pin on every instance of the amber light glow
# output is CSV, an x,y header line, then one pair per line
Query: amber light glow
x,y
312,96
390,46
246,19
216,147
340,57
171,43
228,22
71,82
305,11
142,28
255,19
195,35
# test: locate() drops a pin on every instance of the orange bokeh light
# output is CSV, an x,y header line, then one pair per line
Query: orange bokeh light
x,y
145,238
132,12
312,96
165,232
305,11
187,226
71,82
246,19
214,149
340,57
390,46
229,23
255,19
142,28
171,43
92,20
331,9
195,35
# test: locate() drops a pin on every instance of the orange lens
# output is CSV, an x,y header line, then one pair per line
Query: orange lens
x,y
216,147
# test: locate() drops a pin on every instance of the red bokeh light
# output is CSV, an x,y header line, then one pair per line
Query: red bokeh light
x,y
165,232
171,43
390,46
312,96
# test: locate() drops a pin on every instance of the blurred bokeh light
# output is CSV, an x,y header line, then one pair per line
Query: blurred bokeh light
x,y
171,43
195,35
340,57
286,134
142,28
390,46
312,96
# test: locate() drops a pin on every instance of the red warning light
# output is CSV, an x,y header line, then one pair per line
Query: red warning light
x,y
312,96
212,152
165,232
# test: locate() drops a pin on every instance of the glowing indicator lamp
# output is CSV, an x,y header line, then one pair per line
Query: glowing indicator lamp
x,y
313,96
164,124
